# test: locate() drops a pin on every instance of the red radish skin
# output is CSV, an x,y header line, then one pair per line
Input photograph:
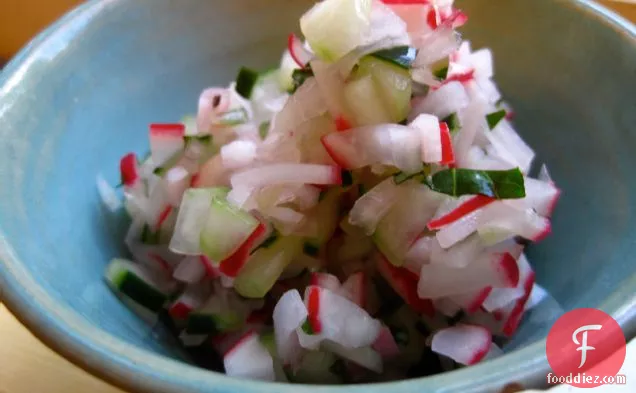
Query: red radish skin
x,y
194,180
460,211
211,271
232,265
461,78
433,19
448,156
385,344
553,203
240,341
180,311
510,115
404,282
313,309
475,304
342,124
544,233
128,169
176,130
163,216
513,320
294,45
511,269
339,160
479,355
456,19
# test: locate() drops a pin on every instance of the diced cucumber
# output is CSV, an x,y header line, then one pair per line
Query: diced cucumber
x,y
299,76
401,56
326,217
317,367
265,266
207,323
225,230
406,220
393,84
193,214
286,71
335,27
364,101
142,287
245,82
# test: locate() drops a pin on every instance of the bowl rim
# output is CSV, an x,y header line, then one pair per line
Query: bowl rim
x,y
139,370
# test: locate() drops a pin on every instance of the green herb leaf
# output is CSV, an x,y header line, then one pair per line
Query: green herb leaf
x,y
494,118
263,129
452,121
402,177
299,76
159,171
203,139
245,81
456,182
306,326
148,236
441,73
403,56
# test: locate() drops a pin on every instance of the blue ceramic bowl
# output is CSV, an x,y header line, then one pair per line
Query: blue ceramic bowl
x,y
82,93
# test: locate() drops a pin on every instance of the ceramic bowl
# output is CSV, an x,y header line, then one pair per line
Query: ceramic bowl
x,y
82,93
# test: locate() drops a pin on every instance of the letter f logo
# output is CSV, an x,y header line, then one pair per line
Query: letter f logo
x,y
583,344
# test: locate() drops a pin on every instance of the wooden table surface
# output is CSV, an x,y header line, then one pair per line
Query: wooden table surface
x,y
27,366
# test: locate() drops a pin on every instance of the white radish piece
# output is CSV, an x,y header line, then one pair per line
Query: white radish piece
x,y
420,253
473,120
540,195
459,255
177,181
238,154
249,359
388,144
289,313
326,281
471,301
385,345
496,270
448,99
297,51
509,221
431,137
465,344
190,270
191,220
287,174
363,356
354,288
166,140
459,230
108,194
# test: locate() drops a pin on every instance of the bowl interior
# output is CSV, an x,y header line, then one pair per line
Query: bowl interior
x,y
83,96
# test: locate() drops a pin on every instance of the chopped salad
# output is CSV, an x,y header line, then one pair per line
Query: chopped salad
x,y
357,214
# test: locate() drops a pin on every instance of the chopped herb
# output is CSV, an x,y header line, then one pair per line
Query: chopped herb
x,y
402,177
201,324
441,73
299,76
508,184
159,171
404,122
148,236
347,178
402,56
245,81
306,326
452,121
495,117
263,129
234,117
203,139
311,249
362,189
400,335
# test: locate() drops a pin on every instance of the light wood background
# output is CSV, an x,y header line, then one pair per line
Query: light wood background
x,y
27,366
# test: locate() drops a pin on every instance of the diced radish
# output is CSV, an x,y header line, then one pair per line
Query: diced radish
x,y
355,289
537,295
448,99
289,314
249,359
465,344
212,103
297,51
473,120
211,271
129,170
465,208
238,154
419,254
163,216
177,181
448,156
371,207
166,140
232,265
385,345
430,131
388,144
471,301
190,270
544,174
405,284
511,221
501,297
190,299
435,46
326,281
540,196
496,270
288,173
309,341
339,320
212,174
458,230
446,306
513,312
510,145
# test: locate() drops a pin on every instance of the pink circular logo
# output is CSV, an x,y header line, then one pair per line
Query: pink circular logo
x,y
585,348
